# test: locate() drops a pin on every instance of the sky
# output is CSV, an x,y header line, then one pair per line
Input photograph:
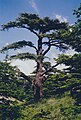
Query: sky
x,y
10,9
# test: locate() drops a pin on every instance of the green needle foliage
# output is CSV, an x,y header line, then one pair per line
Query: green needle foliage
x,y
18,45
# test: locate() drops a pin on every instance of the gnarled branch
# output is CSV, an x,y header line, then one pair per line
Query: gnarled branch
x,y
49,46
48,70
28,78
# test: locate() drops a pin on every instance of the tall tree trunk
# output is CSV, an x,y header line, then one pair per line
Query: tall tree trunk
x,y
38,83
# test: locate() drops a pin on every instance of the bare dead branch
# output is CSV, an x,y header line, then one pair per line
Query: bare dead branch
x,y
26,77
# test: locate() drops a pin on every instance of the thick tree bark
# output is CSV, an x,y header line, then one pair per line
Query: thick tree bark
x,y
38,83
